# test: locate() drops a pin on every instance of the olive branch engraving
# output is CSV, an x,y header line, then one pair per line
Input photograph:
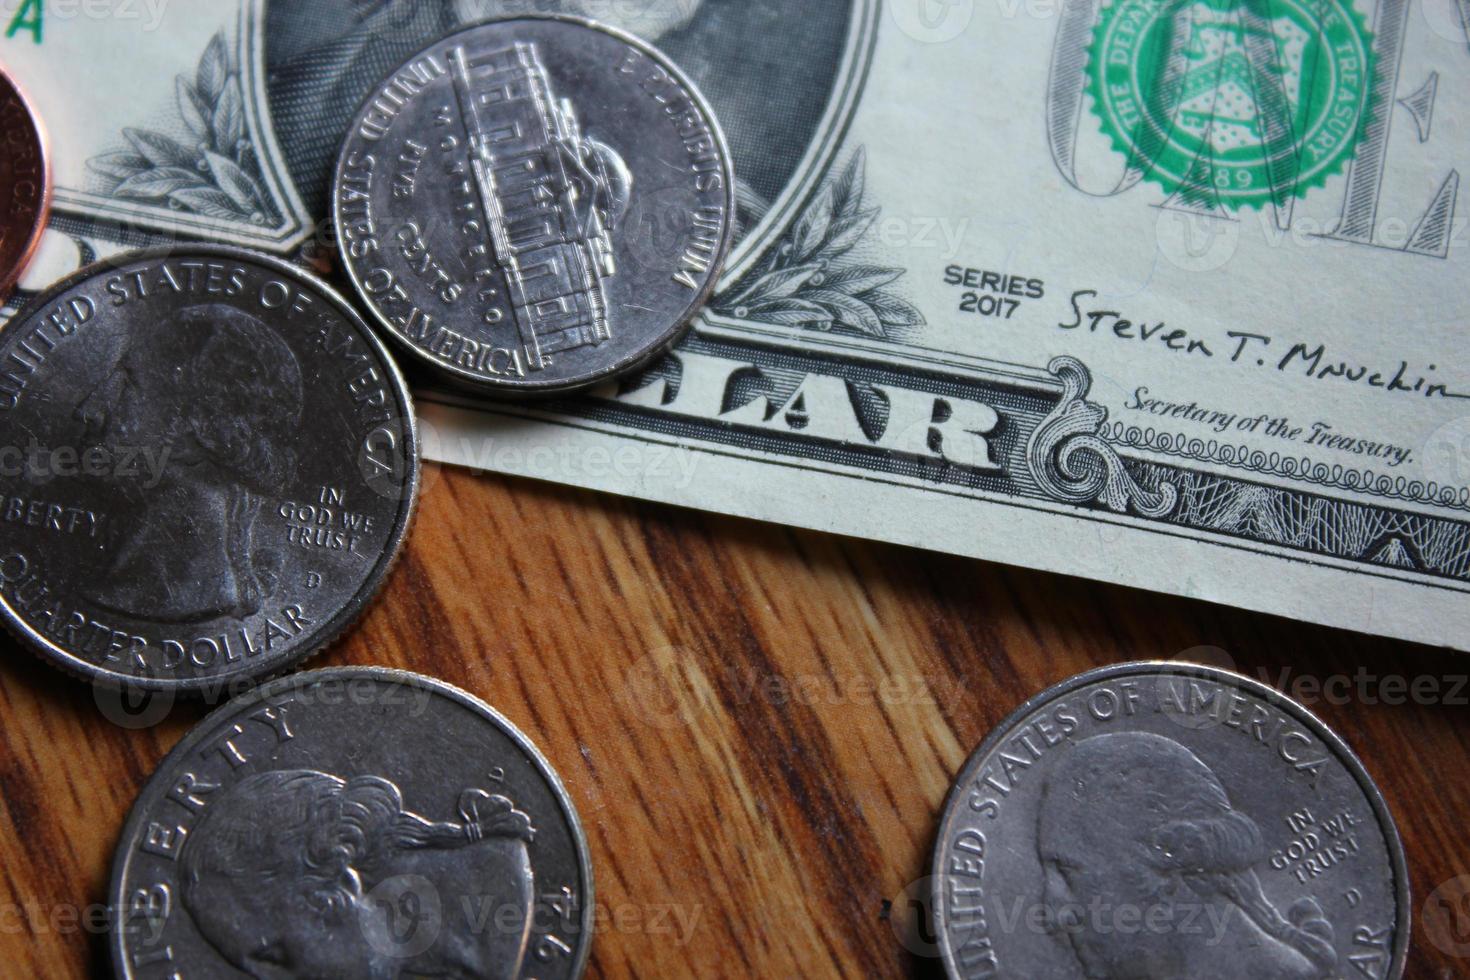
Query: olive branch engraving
x,y
804,282
219,176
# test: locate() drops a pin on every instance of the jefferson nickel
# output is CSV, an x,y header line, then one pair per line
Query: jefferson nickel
x,y
1163,820
535,204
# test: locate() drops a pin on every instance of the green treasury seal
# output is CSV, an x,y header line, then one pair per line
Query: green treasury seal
x,y
1232,104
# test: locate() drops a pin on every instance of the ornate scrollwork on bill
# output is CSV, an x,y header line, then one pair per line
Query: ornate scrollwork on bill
x,y
216,172
1072,462
809,278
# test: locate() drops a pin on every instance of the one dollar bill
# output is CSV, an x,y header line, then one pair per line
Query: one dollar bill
x,y
1162,293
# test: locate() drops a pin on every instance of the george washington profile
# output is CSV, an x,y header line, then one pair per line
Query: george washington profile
x,y
1134,823
214,395
304,875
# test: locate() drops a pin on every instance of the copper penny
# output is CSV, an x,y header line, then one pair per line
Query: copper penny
x,y
25,183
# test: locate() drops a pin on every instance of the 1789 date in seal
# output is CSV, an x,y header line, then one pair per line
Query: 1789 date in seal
x,y
535,204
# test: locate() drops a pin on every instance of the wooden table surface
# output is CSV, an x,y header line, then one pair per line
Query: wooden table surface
x,y
758,725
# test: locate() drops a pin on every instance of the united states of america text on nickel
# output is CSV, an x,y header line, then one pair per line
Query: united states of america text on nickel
x,y
535,204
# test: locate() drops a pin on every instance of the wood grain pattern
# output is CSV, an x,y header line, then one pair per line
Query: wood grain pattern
x,y
758,725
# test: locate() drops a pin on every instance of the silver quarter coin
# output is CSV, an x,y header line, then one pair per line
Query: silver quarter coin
x,y
535,204
208,463
1157,821
353,822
